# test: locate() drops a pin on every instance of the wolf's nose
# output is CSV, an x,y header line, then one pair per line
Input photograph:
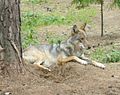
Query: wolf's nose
x,y
88,47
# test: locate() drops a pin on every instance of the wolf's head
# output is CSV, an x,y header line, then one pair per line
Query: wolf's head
x,y
80,34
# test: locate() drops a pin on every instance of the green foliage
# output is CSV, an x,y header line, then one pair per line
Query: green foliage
x,y
106,56
41,19
54,38
84,3
84,15
98,54
32,21
116,3
35,1
113,56
29,35
29,21
29,38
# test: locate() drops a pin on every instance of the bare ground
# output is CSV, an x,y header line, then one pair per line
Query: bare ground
x,y
76,79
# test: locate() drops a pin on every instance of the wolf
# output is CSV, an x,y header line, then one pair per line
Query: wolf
x,y
47,55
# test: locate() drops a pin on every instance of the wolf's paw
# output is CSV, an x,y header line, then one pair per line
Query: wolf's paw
x,y
102,66
48,69
84,62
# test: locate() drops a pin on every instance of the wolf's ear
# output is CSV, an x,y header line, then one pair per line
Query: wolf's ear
x,y
83,26
74,30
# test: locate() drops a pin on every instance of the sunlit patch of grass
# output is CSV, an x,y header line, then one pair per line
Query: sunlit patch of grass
x,y
83,15
31,21
106,55
54,38
34,1
29,38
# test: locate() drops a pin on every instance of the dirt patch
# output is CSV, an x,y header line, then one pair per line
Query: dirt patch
x,y
76,80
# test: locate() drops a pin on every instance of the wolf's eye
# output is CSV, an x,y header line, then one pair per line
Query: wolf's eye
x,y
82,38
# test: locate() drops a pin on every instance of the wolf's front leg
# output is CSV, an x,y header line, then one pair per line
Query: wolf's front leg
x,y
71,58
97,64
83,57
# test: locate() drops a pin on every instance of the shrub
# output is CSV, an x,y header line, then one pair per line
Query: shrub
x,y
106,56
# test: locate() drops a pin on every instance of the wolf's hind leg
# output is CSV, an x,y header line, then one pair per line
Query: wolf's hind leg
x,y
38,63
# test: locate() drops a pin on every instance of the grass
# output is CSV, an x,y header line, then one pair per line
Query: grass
x,y
31,21
34,1
55,18
29,38
105,55
54,38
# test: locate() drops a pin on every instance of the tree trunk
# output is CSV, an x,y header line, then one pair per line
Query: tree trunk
x,y
102,23
10,39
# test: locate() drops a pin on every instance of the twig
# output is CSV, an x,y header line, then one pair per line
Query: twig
x,y
18,53
16,49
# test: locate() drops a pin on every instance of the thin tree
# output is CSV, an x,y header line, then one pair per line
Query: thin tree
x,y
102,21
10,38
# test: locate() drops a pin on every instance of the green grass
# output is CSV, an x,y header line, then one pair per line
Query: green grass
x,y
34,1
54,38
31,21
106,56
83,15
29,38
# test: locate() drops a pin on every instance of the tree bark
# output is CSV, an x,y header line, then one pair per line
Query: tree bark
x,y
10,38
102,23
